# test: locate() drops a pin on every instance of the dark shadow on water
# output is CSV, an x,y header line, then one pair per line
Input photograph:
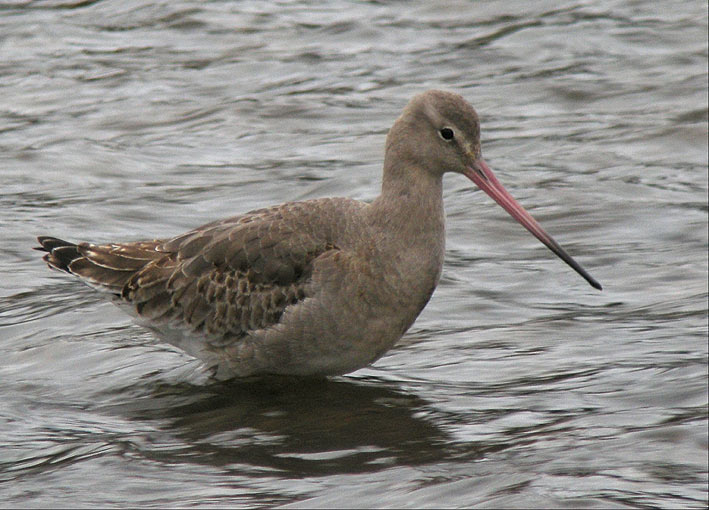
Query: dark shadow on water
x,y
294,426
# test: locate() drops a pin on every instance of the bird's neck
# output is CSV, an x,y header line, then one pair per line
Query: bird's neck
x,y
411,202
408,218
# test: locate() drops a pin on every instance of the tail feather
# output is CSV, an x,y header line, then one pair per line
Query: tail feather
x,y
106,267
60,253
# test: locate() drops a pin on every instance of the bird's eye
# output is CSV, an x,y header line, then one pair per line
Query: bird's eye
x,y
447,134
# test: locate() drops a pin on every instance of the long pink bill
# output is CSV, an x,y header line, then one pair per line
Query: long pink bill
x,y
481,175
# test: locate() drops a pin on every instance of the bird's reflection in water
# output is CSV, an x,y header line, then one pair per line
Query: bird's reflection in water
x,y
303,427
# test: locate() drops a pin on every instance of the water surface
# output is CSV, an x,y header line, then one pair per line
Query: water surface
x,y
519,385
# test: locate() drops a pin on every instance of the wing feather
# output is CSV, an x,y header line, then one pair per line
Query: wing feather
x,y
224,279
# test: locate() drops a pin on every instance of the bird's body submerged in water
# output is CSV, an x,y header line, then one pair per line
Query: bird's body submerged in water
x,y
319,287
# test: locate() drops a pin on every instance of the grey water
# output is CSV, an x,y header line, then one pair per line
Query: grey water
x,y
519,386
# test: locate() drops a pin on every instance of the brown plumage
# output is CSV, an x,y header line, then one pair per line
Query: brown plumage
x,y
219,281
311,288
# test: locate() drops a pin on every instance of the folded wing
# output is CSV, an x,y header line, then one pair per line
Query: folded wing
x,y
223,279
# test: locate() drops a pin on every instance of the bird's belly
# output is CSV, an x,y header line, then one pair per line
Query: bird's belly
x,y
344,325
324,344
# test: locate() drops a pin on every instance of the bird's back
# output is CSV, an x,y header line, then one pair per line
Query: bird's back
x,y
214,286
